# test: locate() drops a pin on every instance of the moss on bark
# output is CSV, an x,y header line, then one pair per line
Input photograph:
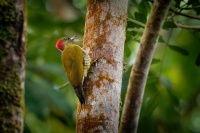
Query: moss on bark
x,y
8,18
12,60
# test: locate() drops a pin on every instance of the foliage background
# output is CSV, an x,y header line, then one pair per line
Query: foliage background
x,y
172,97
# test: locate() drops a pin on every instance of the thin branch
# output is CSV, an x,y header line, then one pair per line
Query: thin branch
x,y
184,14
139,72
62,86
137,22
185,26
189,8
164,52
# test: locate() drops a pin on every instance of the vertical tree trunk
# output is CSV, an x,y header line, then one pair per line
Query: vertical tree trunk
x,y
12,64
139,72
104,37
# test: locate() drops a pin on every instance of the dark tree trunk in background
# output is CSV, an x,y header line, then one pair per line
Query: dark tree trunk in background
x,y
12,65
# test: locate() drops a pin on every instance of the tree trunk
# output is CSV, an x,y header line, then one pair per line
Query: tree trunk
x,y
104,37
12,64
139,72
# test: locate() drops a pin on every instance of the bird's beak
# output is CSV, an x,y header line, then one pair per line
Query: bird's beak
x,y
72,38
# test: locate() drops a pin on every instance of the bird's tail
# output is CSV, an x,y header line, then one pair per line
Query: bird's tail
x,y
79,93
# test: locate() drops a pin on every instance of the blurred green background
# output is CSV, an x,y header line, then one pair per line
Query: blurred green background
x,y
172,97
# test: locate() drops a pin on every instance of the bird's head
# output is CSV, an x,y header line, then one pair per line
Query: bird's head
x,y
60,44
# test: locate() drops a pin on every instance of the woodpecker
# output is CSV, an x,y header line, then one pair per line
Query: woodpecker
x,y
76,63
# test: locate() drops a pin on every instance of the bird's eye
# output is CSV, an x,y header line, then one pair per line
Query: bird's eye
x,y
66,38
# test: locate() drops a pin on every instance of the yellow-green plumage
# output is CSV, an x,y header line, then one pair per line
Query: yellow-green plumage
x,y
72,58
76,63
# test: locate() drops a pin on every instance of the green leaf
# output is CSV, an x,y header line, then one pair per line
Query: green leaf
x,y
166,82
173,98
80,3
178,49
140,17
161,39
155,61
168,25
197,62
177,3
197,10
151,104
127,52
152,80
169,87
195,6
144,7
40,97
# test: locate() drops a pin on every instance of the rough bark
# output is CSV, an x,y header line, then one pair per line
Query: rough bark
x,y
104,37
139,72
12,63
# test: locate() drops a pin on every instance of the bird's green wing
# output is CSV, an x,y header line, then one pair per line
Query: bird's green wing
x,y
72,58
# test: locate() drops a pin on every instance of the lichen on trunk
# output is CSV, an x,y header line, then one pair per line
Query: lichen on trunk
x,y
104,39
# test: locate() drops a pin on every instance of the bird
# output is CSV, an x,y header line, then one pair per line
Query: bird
x,y
76,63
